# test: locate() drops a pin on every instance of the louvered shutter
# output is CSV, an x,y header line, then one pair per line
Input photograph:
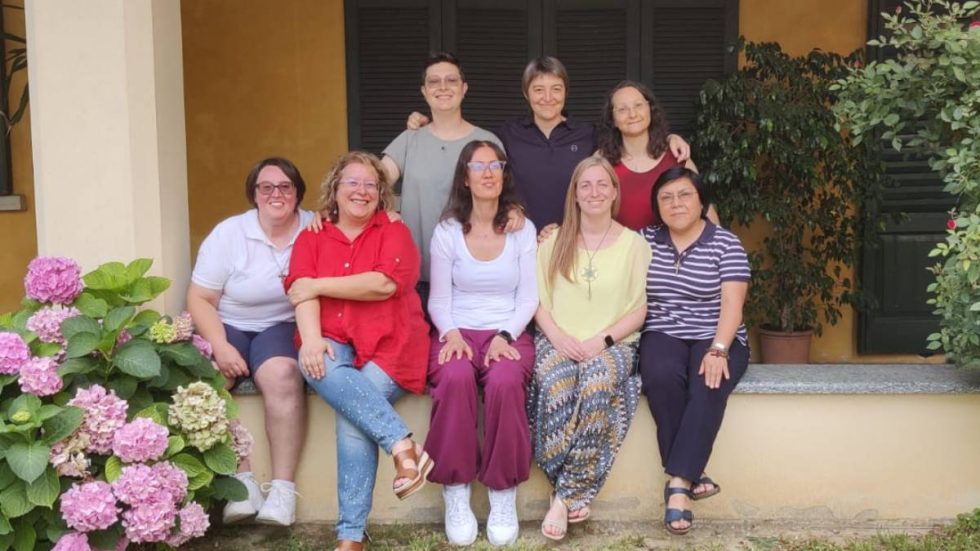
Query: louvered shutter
x,y
492,40
686,42
893,272
387,43
591,38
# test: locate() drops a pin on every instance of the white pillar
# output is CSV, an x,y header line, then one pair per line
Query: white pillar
x,y
107,126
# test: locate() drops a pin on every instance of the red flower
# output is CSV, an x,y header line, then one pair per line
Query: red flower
x,y
898,9
951,224
974,24
857,63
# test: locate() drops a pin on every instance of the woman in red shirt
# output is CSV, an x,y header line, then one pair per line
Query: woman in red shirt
x,y
632,135
363,339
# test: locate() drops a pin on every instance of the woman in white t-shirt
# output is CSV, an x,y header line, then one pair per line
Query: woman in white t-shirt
x,y
483,294
238,304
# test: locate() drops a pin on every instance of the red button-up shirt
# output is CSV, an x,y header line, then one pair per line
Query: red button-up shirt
x,y
392,333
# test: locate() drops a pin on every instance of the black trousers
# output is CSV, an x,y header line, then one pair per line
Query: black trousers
x,y
688,413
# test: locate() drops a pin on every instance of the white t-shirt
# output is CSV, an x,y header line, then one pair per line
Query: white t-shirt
x,y
239,260
466,293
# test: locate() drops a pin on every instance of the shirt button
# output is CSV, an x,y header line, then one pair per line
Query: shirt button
x,y
346,264
398,259
339,314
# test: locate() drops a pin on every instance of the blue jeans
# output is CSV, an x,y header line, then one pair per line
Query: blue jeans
x,y
362,401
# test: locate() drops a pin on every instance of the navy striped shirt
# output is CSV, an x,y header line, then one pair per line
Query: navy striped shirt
x,y
684,289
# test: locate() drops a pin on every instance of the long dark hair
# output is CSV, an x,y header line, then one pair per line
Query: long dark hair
x,y
460,204
611,139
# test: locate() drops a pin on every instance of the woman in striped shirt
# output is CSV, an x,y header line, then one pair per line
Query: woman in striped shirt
x,y
693,350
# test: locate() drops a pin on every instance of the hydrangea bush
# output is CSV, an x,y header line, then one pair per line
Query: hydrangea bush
x,y
115,429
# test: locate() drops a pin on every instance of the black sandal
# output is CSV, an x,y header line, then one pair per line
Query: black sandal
x,y
674,515
705,479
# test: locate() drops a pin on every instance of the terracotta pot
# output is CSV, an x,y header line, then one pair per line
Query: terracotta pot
x,y
780,347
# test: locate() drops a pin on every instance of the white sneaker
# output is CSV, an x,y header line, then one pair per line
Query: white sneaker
x,y
461,527
236,511
280,504
502,524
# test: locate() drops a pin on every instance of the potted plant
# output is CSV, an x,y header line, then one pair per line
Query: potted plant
x,y
770,149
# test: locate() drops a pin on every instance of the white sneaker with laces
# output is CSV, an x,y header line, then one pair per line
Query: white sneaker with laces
x,y
502,524
280,504
461,526
236,511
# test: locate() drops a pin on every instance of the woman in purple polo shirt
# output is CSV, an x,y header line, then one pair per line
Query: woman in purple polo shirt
x,y
693,350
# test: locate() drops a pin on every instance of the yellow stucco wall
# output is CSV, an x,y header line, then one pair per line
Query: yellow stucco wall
x,y
260,79
17,228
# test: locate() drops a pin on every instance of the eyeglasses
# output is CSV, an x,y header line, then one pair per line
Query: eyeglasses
x,y
268,188
480,166
682,197
450,81
624,110
369,186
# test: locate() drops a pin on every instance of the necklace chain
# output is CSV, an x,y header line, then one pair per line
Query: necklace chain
x,y
590,273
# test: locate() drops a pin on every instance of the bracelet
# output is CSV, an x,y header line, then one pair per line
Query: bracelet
x,y
716,353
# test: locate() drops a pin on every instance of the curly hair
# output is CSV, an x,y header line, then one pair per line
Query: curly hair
x,y
328,188
460,204
611,139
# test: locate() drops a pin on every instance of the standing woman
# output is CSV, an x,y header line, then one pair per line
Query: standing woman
x,y
693,350
236,301
632,135
590,276
364,342
484,292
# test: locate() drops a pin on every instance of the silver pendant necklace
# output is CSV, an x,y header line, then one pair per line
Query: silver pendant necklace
x,y
590,273
282,267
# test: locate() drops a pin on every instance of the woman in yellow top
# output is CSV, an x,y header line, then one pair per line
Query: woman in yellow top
x,y
591,281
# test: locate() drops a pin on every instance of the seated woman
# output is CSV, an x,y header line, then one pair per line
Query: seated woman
x,y
484,292
363,340
237,304
583,396
633,136
693,350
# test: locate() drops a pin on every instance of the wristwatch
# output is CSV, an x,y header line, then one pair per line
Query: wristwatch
x,y
609,340
506,336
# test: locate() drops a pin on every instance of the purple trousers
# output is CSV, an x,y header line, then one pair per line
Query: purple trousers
x,y
453,440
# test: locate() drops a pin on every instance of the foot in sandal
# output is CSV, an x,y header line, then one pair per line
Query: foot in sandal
x,y
555,524
412,465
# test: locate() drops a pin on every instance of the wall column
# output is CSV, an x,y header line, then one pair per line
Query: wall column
x,y
107,124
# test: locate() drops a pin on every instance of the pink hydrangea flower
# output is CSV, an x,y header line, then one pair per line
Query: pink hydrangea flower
x,y
194,523
142,439
39,376
123,337
184,326
72,541
89,506
104,414
46,323
241,439
139,484
14,353
202,345
149,522
53,279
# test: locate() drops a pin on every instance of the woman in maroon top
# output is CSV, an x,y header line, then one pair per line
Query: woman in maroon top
x,y
363,340
632,135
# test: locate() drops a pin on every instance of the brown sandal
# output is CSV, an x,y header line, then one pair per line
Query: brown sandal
x,y
349,545
414,464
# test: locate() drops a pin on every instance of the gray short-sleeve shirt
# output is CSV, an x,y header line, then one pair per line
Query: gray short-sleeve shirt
x,y
427,163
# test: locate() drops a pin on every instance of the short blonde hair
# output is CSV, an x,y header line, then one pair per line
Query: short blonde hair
x,y
328,188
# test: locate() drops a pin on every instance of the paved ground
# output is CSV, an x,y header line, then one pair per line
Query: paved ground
x,y
707,535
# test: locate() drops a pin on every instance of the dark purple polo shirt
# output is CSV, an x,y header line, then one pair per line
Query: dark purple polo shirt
x,y
543,166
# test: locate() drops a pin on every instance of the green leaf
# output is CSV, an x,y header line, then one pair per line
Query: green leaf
x,y
48,411
91,306
44,491
24,536
231,406
146,317
221,459
77,365
82,344
229,488
118,317
189,464
13,500
146,289
175,444
25,402
105,539
45,348
7,477
5,529
124,386
182,353
110,276
157,412
137,358
200,480
28,460
137,268
113,469
79,324
63,424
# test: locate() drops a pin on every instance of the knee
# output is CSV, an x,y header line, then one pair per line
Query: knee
x,y
280,378
455,376
505,377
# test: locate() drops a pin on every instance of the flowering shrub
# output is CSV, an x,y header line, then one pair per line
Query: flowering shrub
x,y
927,98
114,426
